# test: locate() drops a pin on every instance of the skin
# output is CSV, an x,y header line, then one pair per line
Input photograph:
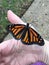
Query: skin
x,y
13,52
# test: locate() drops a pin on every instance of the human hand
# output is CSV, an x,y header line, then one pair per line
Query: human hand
x,y
13,52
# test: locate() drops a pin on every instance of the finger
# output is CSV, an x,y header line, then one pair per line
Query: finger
x,y
10,45
6,46
14,18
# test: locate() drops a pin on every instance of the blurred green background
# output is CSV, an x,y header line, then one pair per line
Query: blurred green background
x,y
17,6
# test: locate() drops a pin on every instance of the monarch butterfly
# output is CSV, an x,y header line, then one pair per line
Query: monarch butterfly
x,y
27,34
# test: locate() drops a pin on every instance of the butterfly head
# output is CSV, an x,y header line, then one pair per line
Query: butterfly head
x,y
27,25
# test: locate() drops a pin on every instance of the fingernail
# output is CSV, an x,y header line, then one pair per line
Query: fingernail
x,y
39,63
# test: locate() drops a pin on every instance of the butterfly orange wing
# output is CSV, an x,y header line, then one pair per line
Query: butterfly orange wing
x,y
16,30
35,38
25,38
32,37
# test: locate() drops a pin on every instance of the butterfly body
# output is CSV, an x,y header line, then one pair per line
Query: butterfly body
x,y
27,35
